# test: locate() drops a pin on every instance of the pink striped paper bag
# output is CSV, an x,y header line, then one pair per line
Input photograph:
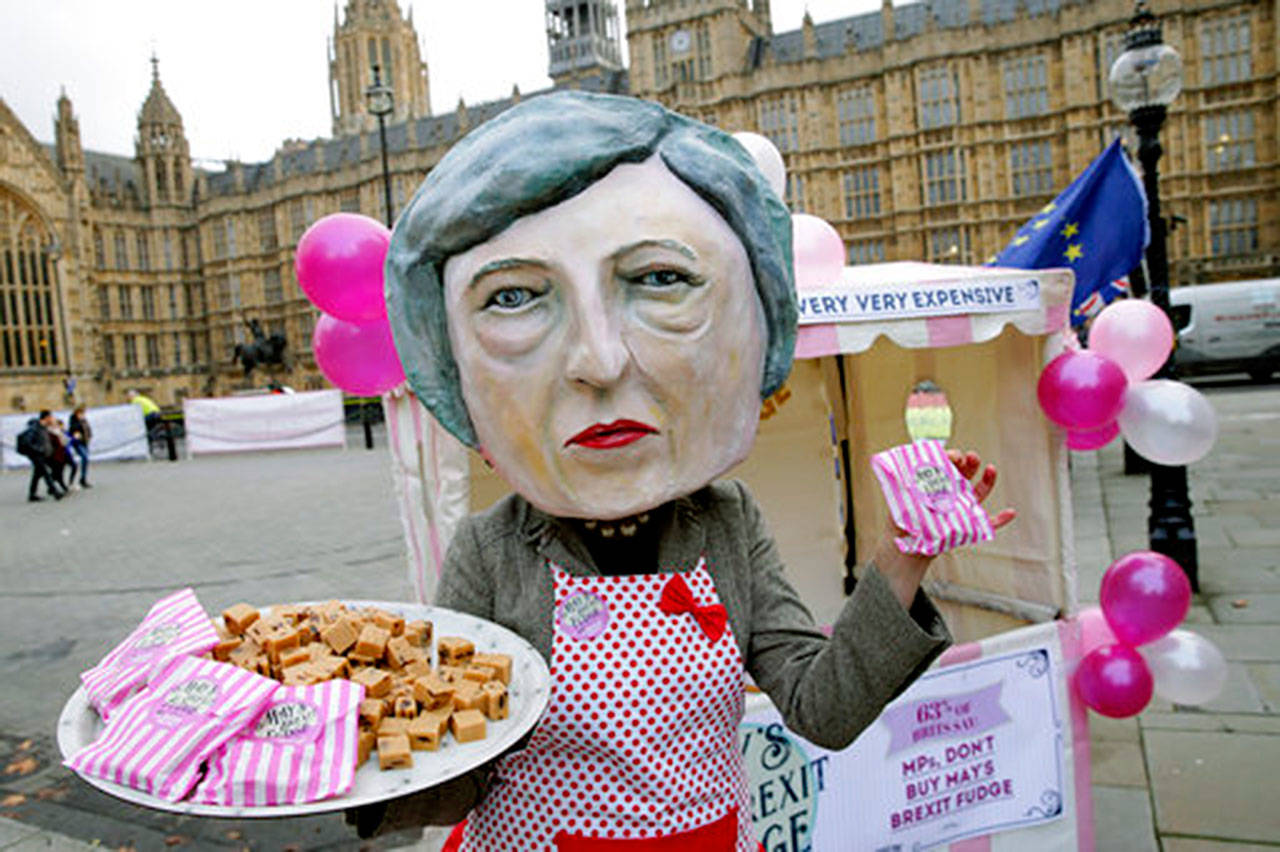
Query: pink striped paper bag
x,y
176,625
929,499
301,748
157,740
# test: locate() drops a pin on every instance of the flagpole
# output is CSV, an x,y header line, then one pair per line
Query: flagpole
x,y
1146,77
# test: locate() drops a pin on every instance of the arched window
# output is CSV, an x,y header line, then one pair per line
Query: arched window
x,y
28,304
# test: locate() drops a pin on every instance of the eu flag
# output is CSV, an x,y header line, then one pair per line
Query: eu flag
x,y
1097,226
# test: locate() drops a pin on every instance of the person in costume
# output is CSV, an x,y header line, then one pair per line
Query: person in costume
x,y
596,293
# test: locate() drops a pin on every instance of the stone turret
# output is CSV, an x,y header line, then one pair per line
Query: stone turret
x,y
161,148
374,32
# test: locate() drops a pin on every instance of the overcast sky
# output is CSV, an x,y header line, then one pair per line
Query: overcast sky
x,y
247,74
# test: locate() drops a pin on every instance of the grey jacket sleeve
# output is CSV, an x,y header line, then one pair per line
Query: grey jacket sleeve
x,y
465,583
829,690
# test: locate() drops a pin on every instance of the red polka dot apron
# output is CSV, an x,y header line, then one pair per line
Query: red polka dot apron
x,y
638,749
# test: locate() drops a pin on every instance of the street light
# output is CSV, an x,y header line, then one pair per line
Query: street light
x,y
381,101
1145,79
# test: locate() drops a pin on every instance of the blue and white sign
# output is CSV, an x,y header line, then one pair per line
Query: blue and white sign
x,y
913,299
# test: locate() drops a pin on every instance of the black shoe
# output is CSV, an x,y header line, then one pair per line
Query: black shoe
x,y
33,498
58,495
85,485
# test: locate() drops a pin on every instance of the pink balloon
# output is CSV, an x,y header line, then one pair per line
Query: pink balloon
x,y
358,357
1135,334
819,252
339,265
1092,439
1081,391
1144,595
1094,630
1114,680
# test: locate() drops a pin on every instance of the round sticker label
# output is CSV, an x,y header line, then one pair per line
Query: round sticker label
x,y
154,640
583,615
933,485
185,702
289,722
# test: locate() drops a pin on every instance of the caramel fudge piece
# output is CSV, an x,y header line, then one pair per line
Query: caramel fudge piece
x,y
494,695
294,656
371,711
500,663
418,632
426,731
340,635
467,725
247,656
372,642
392,726
454,650
451,674
480,674
376,683
432,692
365,742
406,707
331,667
390,622
401,652
417,669
304,674
329,611
394,752
282,638
222,651
239,617
467,696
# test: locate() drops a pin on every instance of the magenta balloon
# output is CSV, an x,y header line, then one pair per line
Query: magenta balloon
x,y
1144,595
818,250
1094,630
339,263
1081,391
1092,439
357,357
1115,681
1135,334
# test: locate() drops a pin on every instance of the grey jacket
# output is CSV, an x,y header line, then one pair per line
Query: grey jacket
x,y
828,690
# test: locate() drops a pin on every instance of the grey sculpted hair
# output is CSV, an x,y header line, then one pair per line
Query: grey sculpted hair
x,y
542,152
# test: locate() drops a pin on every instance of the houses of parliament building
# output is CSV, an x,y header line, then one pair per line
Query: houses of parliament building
x,y
927,130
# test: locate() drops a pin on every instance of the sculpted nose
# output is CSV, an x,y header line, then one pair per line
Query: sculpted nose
x,y
597,355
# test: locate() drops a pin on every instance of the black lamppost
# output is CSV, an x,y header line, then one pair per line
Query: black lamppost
x,y
380,101
1145,79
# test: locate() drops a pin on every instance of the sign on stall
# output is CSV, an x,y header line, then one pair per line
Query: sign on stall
x,y
905,299
977,748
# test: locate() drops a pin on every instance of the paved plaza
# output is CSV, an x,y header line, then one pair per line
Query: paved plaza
x,y
77,575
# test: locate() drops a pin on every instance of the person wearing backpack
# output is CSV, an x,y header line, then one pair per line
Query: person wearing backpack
x,y
36,444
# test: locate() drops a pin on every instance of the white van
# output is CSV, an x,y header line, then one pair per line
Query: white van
x,y
1228,328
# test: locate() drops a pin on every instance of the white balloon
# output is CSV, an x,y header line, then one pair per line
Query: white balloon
x,y
767,158
1168,422
1187,668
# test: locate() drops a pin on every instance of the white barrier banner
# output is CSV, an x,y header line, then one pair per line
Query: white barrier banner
x,y
268,422
983,747
119,434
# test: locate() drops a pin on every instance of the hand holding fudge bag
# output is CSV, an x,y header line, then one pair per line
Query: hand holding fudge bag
x,y
930,499
157,740
301,748
176,625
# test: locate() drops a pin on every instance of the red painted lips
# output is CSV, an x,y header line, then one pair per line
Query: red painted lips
x,y
608,436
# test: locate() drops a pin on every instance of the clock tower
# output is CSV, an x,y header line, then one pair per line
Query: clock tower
x,y
689,41
161,148
582,40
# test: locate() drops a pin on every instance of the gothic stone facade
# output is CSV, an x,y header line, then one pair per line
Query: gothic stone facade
x,y
924,131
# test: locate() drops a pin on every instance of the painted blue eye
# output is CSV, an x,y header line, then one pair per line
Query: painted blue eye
x,y
663,278
510,298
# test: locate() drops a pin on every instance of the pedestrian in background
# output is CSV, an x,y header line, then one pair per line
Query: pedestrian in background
x,y
36,444
81,434
150,410
60,457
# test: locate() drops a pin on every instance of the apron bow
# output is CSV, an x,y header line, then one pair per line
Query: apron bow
x,y
677,599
